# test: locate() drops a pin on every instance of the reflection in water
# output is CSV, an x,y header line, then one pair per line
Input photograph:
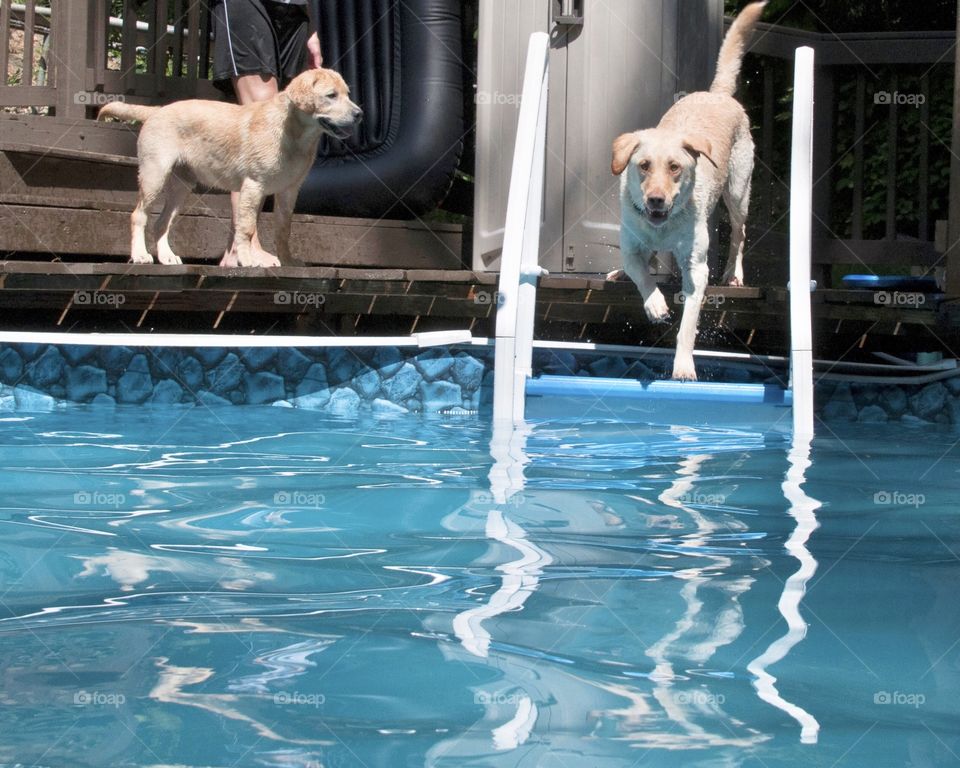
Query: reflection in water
x,y
803,510
721,622
521,578
283,665
566,698
170,689
129,569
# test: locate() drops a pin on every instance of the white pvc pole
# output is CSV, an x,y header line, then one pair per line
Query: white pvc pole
x,y
530,269
508,402
801,216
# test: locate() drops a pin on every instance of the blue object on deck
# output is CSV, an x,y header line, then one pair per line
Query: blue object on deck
x,y
891,283
687,402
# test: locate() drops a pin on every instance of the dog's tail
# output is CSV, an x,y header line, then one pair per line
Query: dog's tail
x,y
131,113
732,50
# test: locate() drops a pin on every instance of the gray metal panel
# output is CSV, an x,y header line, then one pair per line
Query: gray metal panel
x,y
615,83
699,34
505,29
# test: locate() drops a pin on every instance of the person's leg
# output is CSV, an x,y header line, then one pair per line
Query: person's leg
x,y
251,88
246,58
290,27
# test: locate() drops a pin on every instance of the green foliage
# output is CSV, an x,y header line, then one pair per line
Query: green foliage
x,y
914,134
858,15
141,10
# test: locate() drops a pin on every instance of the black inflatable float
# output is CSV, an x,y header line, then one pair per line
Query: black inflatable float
x,y
402,61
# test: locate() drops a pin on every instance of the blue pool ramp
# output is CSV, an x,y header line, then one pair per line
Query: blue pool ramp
x,y
693,403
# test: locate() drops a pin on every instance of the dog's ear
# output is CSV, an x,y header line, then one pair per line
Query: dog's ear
x,y
623,148
699,145
301,90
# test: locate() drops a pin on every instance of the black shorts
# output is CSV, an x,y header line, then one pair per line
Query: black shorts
x,y
258,37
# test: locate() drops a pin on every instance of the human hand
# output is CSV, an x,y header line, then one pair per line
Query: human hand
x,y
314,55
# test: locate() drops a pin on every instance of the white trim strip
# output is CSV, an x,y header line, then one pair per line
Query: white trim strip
x,y
226,26
624,349
431,339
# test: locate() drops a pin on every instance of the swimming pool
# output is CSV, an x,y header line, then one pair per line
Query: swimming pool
x,y
259,586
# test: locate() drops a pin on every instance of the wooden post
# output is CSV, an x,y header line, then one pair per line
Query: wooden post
x,y
893,121
822,162
856,228
822,153
69,57
953,217
766,152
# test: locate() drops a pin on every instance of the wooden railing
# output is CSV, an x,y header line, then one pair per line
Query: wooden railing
x,y
865,83
158,50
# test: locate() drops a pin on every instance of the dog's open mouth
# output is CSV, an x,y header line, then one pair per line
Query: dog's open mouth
x,y
657,217
337,131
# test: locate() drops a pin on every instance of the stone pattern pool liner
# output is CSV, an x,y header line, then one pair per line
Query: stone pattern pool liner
x,y
348,381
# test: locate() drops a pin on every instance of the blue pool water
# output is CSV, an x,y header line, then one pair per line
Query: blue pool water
x,y
260,587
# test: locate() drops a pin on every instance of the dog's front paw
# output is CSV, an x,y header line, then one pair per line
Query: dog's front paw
x,y
733,280
616,275
289,260
169,258
684,369
141,258
263,260
656,308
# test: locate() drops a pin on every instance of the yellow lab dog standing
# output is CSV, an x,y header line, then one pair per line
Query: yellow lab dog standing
x,y
256,149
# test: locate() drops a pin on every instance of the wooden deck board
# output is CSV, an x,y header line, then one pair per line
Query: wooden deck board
x,y
194,297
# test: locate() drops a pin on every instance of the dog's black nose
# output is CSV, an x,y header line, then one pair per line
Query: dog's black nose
x,y
656,203
357,114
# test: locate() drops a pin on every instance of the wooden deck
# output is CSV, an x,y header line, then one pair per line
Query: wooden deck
x,y
349,301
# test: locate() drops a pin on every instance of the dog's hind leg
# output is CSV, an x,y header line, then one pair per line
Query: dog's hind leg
x,y
154,173
737,208
736,196
176,192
